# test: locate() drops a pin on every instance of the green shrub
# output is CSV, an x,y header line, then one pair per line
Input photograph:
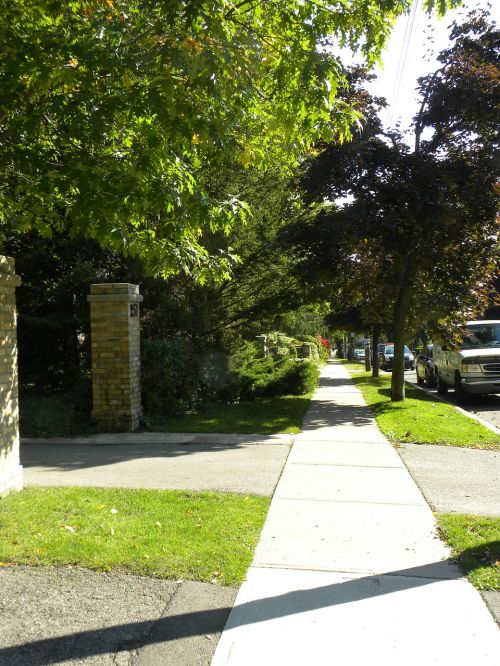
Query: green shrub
x,y
255,376
319,351
281,345
302,378
324,353
170,381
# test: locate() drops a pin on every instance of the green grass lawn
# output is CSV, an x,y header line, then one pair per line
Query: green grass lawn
x,y
475,542
167,534
265,416
420,418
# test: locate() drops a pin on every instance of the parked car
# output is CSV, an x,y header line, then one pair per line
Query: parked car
x,y
425,367
359,354
473,368
386,356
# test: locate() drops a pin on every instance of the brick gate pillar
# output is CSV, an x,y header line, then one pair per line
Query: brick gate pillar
x,y
116,365
11,472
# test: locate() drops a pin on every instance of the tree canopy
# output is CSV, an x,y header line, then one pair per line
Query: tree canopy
x,y
112,110
417,236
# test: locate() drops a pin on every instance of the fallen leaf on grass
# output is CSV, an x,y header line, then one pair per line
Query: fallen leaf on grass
x,y
113,511
68,528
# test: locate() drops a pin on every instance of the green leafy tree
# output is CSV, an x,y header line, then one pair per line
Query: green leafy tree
x,y
417,238
111,109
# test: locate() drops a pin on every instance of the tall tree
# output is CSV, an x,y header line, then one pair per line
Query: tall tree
x,y
110,109
420,224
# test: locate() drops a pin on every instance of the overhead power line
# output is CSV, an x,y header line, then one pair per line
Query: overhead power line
x,y
403,56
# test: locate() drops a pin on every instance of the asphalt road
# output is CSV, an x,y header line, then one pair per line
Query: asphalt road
x,y
487,407
72,616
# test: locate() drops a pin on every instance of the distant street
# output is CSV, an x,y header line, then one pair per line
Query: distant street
x,y
487,407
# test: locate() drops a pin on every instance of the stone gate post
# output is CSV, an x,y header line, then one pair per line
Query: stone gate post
x,y
11,472
116,367
262,344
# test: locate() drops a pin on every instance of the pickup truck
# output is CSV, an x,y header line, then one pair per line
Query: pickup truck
x,y
473,368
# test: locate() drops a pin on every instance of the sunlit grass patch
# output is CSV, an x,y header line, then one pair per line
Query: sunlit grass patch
x,y
169,534
420,417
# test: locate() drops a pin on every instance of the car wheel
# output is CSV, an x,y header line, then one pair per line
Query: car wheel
x,y
420,381
460,395
429,381
441,386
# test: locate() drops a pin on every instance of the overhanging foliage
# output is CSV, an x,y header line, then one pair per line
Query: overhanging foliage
x,y
111,109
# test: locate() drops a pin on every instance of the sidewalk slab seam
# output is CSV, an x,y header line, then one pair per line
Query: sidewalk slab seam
x,y
341,501
358,573
323,464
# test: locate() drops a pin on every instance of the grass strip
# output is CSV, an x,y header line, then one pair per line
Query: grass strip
x,y
475,542
420,418
167,534
263,416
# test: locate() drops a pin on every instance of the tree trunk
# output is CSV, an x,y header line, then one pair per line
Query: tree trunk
x,y
375,343
398,363
368,360
350,347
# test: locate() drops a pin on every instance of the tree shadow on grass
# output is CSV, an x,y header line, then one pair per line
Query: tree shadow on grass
x,y
483,555
264,416
385,406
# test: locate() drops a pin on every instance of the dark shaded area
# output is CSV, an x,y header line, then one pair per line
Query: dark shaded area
x,y
69,457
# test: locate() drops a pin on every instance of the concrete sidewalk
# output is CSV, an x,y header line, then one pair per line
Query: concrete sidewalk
x,y
176,461
455,480
349,566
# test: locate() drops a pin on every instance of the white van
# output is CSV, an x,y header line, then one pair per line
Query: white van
x,y
474,368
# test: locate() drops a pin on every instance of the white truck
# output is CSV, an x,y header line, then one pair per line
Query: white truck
x,y
473,368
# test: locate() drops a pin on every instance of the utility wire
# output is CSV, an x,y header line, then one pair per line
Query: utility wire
x,y
403,56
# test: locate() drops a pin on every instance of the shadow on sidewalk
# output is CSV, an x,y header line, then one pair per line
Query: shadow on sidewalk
x,y
336,382
91,643
329,414
75,456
